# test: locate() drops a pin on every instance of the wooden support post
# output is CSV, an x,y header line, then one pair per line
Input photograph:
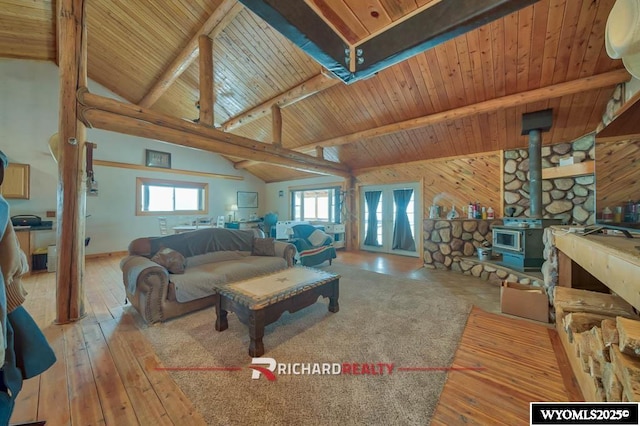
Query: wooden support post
x,y
207,97
319,152
351,222
71,181
276,125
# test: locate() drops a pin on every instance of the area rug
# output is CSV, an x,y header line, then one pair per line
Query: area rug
x,y
399,335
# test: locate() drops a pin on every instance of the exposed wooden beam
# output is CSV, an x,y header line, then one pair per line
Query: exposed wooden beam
x,y
113,115
174,171
610,78
305,89
220,18
205,72
71,203
276,125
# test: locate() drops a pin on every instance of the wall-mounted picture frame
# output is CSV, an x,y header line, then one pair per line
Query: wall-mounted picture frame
x,y
157,159
247,200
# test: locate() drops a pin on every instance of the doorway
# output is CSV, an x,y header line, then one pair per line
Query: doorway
x,y
390,218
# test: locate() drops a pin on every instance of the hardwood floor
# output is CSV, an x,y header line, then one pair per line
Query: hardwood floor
x,y
107,373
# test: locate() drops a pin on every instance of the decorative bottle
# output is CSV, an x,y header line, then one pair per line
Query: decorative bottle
x,y
490,213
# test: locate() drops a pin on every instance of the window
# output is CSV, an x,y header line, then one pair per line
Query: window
x,y
320,204
159,196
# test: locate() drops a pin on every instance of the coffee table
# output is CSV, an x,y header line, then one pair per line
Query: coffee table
x,y
260,301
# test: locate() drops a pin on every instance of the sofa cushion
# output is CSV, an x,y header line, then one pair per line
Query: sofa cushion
x,y
204,280
170,259
263,247
215,256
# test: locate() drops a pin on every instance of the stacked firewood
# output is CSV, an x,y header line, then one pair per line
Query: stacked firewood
x,y
603,333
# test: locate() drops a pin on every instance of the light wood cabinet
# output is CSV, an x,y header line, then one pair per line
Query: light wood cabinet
x,y
24,239
16,181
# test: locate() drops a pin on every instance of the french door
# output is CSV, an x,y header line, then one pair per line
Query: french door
x,y
390,218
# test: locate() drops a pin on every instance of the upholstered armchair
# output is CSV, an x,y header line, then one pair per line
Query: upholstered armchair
x,y
313,244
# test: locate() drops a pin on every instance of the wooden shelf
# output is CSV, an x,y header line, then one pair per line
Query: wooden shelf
x,y
584,168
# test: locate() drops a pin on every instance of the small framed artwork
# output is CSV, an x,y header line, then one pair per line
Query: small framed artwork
x,y
157,159
247,200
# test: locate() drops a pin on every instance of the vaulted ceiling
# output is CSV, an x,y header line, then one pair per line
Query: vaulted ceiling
x,y
461,97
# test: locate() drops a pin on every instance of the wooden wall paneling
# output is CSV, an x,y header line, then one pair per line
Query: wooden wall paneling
x,y
581,108
538,40
616,171
419,71
524,50
429,84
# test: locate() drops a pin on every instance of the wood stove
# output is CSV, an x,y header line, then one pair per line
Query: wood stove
x,y
519,241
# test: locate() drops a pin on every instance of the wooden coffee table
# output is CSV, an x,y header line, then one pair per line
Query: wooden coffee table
x,y
260,301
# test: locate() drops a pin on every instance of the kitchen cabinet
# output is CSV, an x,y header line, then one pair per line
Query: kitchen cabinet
x,y
16,181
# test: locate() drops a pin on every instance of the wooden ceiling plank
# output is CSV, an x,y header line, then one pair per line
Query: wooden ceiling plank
x,y
435,80
486,79
303,90
498,50
524,51
552,41
511,53
589,83
596,40
371,14
476,71
221,16
418,70
580,41
565,45
465,69
538,33
341,18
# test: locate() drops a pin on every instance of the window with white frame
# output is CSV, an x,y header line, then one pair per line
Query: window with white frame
x,y
161,196
317,204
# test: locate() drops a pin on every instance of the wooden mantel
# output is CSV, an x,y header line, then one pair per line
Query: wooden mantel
x,y
612,259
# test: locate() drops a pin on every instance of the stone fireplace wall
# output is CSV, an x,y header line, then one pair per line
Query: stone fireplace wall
x,y
571,199
446,241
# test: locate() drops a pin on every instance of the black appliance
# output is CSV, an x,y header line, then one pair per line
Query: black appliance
x,y
26,220
519,241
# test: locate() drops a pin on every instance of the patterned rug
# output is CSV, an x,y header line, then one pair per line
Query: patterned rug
x,y
388,340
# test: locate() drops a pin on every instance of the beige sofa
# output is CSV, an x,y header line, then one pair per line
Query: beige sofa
x,y
168,276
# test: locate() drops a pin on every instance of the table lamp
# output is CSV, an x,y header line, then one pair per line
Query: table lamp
x,y
234,209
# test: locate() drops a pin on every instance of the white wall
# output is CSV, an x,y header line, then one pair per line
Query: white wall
x,y
29,116
281,204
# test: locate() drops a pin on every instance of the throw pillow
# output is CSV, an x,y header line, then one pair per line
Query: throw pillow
x,y
263,247
170,259
317,238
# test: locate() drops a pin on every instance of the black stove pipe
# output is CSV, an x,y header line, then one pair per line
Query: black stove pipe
x,y
534,123
535,174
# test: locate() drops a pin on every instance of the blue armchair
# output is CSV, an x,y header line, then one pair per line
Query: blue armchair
x,y
314,245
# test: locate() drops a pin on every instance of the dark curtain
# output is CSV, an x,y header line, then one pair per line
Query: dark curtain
x,y
402,236
372,198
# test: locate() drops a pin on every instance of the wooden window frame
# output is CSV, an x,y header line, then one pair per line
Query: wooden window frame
x,y
176,184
